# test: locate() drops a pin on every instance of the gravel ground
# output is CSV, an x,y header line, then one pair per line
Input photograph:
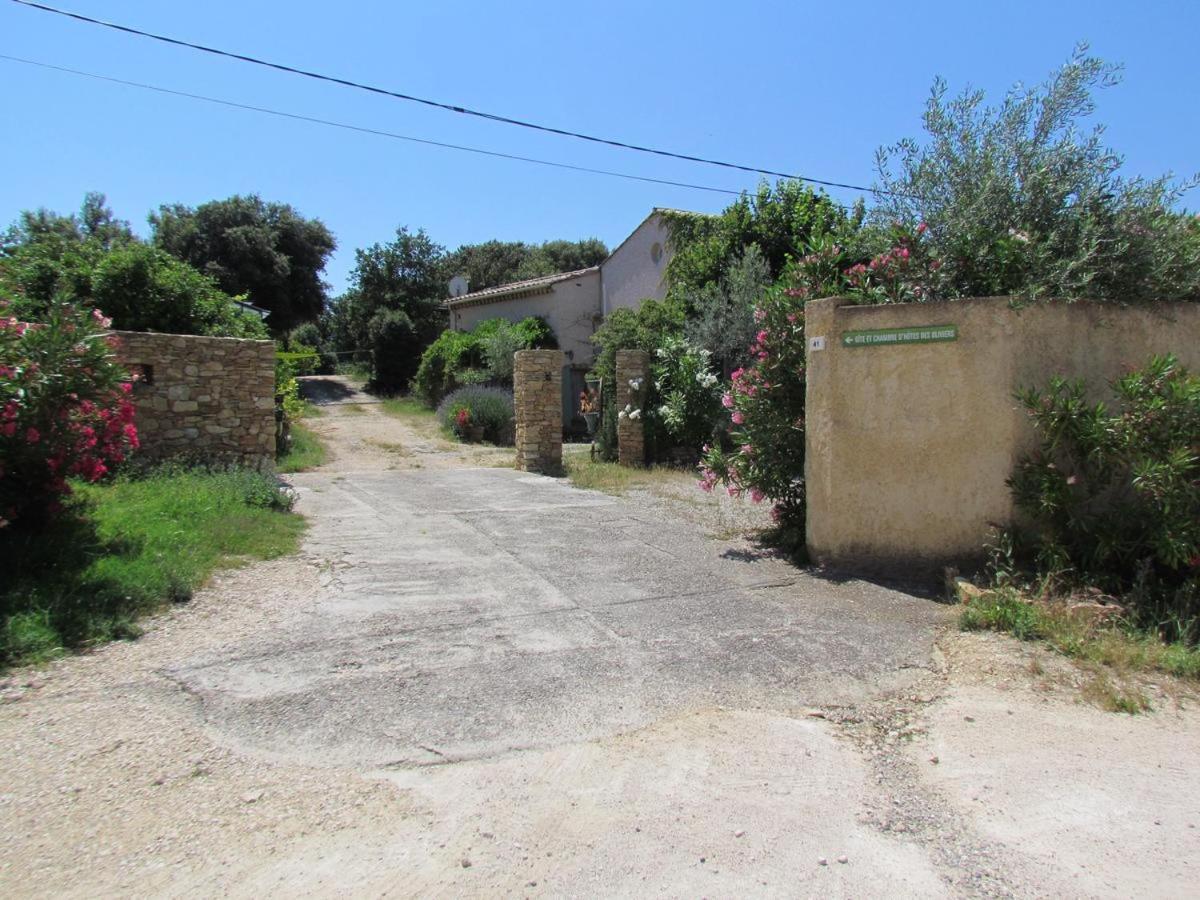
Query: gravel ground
x,y
979,773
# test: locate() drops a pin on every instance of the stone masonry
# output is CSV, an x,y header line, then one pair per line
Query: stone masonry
x,y
633,375
206,397
537,398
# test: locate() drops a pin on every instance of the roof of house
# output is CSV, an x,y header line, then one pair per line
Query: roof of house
x,y
527,288
545,283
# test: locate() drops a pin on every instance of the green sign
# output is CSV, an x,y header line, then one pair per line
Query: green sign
x,y
885,337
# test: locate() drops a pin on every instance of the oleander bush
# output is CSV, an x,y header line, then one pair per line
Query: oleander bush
x,y
64,410
1111,497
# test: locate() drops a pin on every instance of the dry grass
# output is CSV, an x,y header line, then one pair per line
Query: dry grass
x,y
1114,657
611,478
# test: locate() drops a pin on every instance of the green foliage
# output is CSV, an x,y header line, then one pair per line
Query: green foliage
x,y
1112,497
722,317
267,251
395,349
476,406
126,548
94,224
138,287
647,328
1021,199
494,263
687,394
777,219
458,358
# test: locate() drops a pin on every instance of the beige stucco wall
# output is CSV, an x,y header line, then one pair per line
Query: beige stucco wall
x,y
571,308
908,447
632,274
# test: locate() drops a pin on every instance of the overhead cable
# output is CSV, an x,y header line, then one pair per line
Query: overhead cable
x,y
450,107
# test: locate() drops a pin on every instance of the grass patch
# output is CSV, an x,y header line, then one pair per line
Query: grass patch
x,y
307,451
125,548
1107,648
613,478
408,408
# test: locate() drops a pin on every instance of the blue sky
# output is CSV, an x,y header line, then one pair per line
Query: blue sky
x,y
792,86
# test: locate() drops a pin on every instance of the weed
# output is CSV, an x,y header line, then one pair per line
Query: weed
x,y
1119,648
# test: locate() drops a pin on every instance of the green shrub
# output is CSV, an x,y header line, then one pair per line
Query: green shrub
x,y
460,358
1112,496
395,348
646,328
489,408
138,286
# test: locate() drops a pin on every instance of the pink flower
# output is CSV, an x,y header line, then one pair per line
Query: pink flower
x,y
904,253
761,337
8,429
705,486
32,435
756,495
127,387
922,228
737,417
727,400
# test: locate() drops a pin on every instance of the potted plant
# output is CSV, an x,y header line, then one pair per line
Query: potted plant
x,y
589,408
467,429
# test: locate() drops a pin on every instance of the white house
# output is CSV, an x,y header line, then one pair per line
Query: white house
x,y
575,303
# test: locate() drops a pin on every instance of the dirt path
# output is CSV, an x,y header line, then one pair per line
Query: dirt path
x,y
474,682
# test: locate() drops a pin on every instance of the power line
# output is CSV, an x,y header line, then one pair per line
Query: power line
x,y
363,130
450,107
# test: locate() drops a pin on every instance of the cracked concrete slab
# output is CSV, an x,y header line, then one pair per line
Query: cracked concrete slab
x,y
478,611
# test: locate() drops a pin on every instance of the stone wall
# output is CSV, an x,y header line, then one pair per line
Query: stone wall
x,y
912,427
537,399
212,398
633,374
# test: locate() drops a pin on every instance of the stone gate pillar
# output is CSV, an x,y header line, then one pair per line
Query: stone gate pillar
x,y
537,398
633,383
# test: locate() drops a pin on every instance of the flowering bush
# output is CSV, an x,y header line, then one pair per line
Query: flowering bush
x,y
64,409
766,404
489,408
907,272
689,396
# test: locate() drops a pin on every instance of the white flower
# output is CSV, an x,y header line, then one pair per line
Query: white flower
x,y
636,414
635,383
622,414
664,410
706,379
661,353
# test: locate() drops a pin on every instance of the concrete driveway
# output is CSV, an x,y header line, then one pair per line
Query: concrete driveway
x,y
474,682
470,612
